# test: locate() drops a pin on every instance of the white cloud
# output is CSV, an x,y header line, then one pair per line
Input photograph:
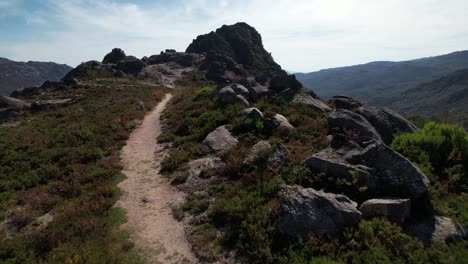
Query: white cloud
x,y
302,35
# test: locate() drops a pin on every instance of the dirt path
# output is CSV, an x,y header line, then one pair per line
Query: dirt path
x,y
148,196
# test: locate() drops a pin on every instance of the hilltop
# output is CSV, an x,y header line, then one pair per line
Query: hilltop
x,y
17,75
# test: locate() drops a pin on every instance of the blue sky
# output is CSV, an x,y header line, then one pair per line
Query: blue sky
x,y
303,35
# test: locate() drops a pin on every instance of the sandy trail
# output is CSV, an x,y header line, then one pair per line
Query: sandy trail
x,y
148,197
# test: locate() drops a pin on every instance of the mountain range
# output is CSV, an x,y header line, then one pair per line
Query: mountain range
x,y
413,87
17,75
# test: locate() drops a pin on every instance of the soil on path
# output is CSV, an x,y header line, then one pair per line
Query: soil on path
x,y
147,196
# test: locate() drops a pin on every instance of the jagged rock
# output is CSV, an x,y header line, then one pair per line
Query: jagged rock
x,y
115,56
220,139
351,124
396,210
386,122
13,103
234,93
145,59
253,114
240,42
304,211
282,122
437,228
315,104
130,66
382,170
344,102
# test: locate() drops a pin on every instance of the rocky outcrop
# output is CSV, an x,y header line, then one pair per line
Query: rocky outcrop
x,y
84,69
396,210
304,211
115,56
220,139
240,42
349,123
315,104
234,93
436,228
382,170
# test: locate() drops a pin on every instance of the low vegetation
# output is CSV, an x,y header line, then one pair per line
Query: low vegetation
x,y
441,152
64,163
238,213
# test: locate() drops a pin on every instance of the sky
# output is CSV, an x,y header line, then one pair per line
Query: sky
x,y
302,35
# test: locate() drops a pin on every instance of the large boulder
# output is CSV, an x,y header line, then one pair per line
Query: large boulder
x,y
280,121
396,210
437,228
304,211
349,123
382,170
234,93
220,139
386,122
313,103
115,56
383,121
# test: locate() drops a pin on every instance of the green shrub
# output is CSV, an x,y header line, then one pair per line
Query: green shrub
x,y
441,151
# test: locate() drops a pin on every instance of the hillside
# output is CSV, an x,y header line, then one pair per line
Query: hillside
x,y
383,82
17,75
446,96
202,157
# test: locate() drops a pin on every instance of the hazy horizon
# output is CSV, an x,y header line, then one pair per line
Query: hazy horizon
x,y
303,37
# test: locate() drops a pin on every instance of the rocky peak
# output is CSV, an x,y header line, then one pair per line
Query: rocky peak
x,y
242,43
115,56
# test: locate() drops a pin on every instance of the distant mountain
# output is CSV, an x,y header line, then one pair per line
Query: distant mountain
x,y
445,98
382,82
16,75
